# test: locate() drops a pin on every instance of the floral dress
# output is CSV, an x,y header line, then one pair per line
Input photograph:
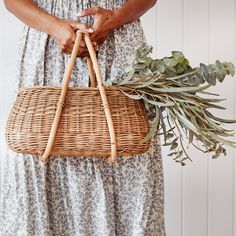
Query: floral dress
x,y
80,196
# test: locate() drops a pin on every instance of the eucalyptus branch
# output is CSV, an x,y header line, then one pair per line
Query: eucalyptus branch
x,y
170,84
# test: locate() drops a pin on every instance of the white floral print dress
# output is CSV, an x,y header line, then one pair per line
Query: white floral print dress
x,y
73,196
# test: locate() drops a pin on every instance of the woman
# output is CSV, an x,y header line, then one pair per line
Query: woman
x,y
80,196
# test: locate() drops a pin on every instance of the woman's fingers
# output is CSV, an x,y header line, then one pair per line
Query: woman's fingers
x,y
81,26
104,22
84,47
68,47
89,11
65,35
84,27
83,52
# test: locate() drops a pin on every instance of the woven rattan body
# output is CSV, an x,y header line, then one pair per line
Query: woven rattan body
x,y
83,129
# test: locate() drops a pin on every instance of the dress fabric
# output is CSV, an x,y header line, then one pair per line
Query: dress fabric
x,y
80,196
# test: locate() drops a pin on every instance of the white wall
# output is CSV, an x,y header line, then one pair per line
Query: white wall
x,y
200,197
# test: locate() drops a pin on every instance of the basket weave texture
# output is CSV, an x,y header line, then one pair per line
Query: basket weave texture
x,y
83,126
83,129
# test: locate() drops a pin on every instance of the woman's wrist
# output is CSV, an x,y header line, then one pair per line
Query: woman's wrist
x,y
117,18
49,24
123,16
132,11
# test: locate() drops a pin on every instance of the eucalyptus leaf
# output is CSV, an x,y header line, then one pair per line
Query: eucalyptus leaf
x,y
186,123
146,84
160,104
173,145
132,96
231,68
128,78
153,129
158,65
224,141
219,119
179,56
170,62
172,153
179,89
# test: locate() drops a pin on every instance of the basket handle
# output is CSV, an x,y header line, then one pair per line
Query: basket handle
x,y
64,89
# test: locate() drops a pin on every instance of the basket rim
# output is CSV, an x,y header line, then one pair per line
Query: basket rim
x,y
107,88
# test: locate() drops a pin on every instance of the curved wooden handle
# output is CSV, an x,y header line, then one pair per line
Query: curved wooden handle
x,y
98,73
65,85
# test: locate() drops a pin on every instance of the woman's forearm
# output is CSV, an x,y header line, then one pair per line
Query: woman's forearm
x,y
32,15
62,31
132,10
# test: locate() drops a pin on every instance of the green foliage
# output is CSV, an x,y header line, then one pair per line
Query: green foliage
x,y
170,85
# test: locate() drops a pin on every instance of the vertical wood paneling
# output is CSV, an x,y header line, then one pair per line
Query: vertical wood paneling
x,y
195,179
170,37
222,170
234,97
150,30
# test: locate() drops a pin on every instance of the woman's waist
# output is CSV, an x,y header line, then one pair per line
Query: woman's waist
x,y
68,9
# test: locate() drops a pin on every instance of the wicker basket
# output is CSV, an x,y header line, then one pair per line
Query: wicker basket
x,y
74,121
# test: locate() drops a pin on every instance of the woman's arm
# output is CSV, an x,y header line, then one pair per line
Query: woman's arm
x,y
63,31
107,20
29,13
132,10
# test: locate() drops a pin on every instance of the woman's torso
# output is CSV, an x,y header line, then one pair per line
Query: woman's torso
x,y
47,63
68,9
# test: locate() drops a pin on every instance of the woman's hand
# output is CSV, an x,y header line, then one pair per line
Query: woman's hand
x,y
64,33
104,22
